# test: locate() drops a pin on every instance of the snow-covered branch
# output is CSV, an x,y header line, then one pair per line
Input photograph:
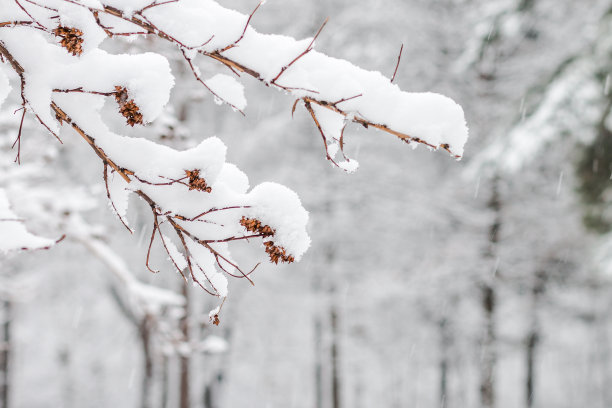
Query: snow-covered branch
x,y
199,203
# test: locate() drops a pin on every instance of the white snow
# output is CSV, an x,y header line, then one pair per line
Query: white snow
x,y
5,87
229,89
13,234
279,207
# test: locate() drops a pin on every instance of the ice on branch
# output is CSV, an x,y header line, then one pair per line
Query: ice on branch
x,y
13,234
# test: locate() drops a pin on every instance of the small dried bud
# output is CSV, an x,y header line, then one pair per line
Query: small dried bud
x,y
255,226
195,182
278,253
71,39
128,108
120,95
216,320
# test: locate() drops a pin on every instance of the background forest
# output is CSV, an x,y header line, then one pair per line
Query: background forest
x,y
430,283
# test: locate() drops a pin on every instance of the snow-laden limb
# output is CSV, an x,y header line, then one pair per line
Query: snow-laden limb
x,y
13,234
199,203
206,28
194,196
204,215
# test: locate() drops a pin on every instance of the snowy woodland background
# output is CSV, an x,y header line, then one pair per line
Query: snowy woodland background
x,y
430,282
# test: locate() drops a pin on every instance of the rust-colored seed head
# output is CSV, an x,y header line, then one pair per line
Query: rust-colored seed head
x,y
71,39
255,226
120,94
277,254
216,320
195,182
128,108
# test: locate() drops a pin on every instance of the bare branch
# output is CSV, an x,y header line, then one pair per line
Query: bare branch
x,y
399,58
306,51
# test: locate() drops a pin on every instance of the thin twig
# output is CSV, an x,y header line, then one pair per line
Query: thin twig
x,y
308,49
399,58
245,29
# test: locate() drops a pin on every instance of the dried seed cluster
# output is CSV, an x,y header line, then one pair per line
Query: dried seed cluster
x,y
254,225
71,39
277,253
195,182
128,108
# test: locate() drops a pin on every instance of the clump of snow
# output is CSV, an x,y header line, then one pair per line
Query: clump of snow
x,y
331,122
232,177
350,165
5,87
119,195
279,207
196,22
214,312
219,282
13,234
174,254
229,89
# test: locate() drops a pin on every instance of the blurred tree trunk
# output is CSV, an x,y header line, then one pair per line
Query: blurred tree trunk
x,y
533,336
525,5
489,357
318,369
164,381
335,363
144,329
5,353
488,303
184,359
445,341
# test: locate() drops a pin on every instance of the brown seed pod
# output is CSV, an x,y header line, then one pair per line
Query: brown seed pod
x,y
277,253
195,182
255,226
128,108
71,39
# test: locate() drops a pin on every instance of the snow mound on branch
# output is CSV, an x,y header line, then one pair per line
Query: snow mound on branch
x,y
13,234
232,177
5,87
119,195
289,63
229,89
276,205
196,22
48,66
